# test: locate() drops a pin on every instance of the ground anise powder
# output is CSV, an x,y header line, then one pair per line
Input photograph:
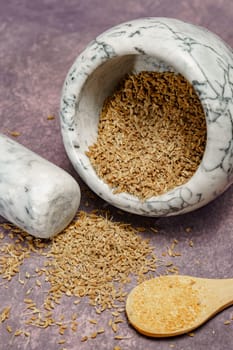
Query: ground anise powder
x,y
151,134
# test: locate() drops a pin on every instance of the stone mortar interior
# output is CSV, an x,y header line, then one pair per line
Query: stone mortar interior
x,y
101,84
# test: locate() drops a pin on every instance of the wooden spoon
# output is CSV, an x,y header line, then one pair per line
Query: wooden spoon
x,y
172,305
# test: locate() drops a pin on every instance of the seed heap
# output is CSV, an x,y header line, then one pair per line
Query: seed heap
x,y
93,257
151,134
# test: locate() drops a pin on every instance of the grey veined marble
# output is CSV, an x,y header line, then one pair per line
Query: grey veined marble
x,y
153,44
35,194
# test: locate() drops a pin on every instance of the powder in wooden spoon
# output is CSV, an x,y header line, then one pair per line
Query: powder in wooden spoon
x,y
160,306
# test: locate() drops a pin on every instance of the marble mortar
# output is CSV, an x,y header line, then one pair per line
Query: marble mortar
x,y
153,44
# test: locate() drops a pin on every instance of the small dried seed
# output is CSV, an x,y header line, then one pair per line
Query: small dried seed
x,y
93,321
119,337
9,329
191,243
4,315
119,320
84,338
18,332
38,283
114,327
227,322
101,330
14,133
50,117
93,335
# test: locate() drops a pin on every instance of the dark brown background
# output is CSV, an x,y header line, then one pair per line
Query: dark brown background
x,y
39,41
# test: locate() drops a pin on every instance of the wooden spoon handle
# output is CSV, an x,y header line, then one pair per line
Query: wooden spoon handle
x,y
224,288
218,293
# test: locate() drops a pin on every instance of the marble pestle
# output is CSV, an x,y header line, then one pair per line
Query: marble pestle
x,y
35,195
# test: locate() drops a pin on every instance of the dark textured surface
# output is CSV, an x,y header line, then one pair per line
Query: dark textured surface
x,y
39,41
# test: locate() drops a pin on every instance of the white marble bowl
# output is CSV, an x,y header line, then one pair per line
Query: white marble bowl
x,y
153,44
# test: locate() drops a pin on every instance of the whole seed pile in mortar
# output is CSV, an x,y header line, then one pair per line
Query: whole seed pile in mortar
x,y
151,134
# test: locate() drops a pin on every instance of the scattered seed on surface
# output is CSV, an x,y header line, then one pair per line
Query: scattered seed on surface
x,y
4,315
50,117
227,322
18,332
14,133
120,337
100,331
93,321
191,243
93,335
191,334
9,329
84,338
